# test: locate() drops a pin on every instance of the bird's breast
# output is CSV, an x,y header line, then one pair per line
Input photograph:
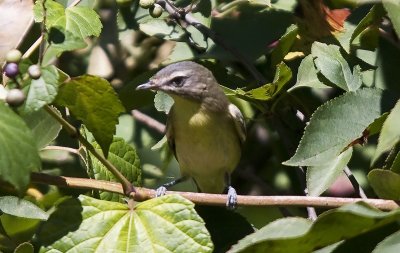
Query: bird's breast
x,y
205,141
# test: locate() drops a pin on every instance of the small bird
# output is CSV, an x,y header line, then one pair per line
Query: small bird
x,y
204,130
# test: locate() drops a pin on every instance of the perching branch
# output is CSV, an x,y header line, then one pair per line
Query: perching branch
x,y
149,121
127,186
142,194
191,20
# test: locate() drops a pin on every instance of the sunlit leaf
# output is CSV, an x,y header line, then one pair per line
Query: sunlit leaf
x,y
164,224
68,27
21,208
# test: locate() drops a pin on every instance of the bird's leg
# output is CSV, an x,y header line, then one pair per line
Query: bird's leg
x,y
163,188
232,195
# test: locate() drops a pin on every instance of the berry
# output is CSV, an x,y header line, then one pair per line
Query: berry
x,y
156,10
13,55
145,4
11,70
15,97
34,71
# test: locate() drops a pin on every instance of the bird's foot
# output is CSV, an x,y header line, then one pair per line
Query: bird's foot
x,y
232,198
161,191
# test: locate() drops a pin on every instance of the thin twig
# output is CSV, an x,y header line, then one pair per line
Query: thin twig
x,y
142,194
191,20
128,187
70,150
149,121
360,192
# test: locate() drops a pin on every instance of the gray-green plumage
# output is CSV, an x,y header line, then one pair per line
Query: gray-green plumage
x,y
204,129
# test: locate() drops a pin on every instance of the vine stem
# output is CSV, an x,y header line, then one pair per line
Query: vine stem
x,y
142,194
127,186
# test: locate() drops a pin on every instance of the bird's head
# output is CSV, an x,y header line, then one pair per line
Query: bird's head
x,y
184,79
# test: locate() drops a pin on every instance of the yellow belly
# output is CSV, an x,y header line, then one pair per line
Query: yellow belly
x,y
207,146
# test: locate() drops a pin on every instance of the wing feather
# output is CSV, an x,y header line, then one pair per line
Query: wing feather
x,y
238,118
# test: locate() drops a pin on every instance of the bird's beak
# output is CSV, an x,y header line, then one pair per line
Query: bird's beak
x,y
146,86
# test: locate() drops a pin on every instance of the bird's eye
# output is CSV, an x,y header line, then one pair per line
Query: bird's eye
x,y
177,81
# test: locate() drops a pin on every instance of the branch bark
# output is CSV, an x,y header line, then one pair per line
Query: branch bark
x,y
142,194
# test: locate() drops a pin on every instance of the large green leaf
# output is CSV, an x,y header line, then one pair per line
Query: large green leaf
x,y
124,157
21,208
319,178
390,133
18,151
385,183
44,127
164,224
301,235
334,67
92,100
68,27
393,8
336,124
42,91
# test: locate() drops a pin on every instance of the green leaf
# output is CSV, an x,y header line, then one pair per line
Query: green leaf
x,y
41,91
165,224
266,92
24,247
21,208
92,100
320,178
284,45
334,67
390,133
43,126
67,27
124,157
393,8
351,31
385,183
163,102
307,75
18,151
336,124
297,235
395,167
389,245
